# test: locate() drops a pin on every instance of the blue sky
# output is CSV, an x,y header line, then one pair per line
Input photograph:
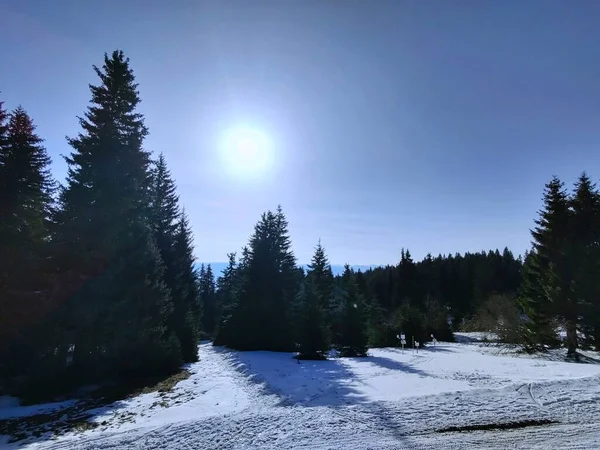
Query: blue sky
x,y
429,125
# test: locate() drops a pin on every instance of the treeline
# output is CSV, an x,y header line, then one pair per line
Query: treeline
x,y
97,277
266,302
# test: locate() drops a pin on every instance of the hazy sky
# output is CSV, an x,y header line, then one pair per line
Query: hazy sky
x,y
431,125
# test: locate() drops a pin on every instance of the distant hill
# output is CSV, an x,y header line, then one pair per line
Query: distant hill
x,y
337,269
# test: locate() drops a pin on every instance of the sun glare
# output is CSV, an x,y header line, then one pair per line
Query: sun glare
x,y
247,152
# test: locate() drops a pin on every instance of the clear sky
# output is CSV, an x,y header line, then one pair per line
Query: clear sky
x,y
431,125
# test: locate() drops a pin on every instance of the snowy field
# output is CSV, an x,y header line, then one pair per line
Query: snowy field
x,y
390,400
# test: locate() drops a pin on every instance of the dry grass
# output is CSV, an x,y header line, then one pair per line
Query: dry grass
x,y
77,418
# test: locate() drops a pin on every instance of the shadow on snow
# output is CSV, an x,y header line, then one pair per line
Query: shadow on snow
x,y
330,383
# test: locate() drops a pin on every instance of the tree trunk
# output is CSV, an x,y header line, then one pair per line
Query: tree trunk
x,y
571,337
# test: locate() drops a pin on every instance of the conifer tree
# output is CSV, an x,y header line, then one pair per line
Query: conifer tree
x,y
319,271
174,240
353,337
164,215
585,255
208,299
226,291
311,332
116,302
187,308
26,190
546,292
3,128
260,316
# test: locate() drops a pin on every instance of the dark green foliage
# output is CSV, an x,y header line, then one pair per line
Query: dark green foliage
x,y
352,336
26,189
547,289
436,322
310,328
116,303
540,324
459,283
319,272
164,217
227,285
185,320
584,250
560,285
174,240
208,300
267,285
412,322
381,330
164,205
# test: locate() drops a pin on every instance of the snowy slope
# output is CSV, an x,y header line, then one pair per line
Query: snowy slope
x,y
390,400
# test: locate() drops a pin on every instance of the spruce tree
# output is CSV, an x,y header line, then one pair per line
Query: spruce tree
x,y
352,339
187,309
311,332
116,302
585,255
26,190
546,291
319,272
226,293
173,237
260,315
164,216
208,299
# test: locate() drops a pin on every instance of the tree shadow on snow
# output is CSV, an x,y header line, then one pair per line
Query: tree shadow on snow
x,y
310,383
391,364
328,383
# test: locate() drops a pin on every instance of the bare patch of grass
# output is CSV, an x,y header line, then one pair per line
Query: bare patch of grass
x,y
77,418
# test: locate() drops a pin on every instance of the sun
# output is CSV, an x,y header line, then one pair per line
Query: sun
x,y
247,152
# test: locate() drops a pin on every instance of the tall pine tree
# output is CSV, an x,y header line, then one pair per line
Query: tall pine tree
x,y
546,292
187,309
173,237
117,303
208,299
319,272
260,315
310,327
585,255
226,292
26,190
352,337
164,216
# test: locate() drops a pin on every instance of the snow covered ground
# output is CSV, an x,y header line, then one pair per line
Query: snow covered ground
x,y
389,400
